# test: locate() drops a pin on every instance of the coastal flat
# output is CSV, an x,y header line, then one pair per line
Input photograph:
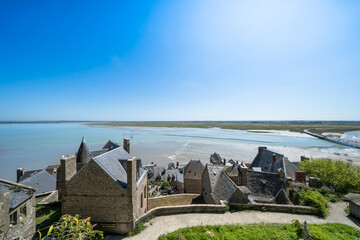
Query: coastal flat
x,y
294,126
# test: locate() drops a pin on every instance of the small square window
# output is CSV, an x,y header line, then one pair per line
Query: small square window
x,y
13,218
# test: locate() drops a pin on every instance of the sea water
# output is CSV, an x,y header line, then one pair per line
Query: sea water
x,y
35,146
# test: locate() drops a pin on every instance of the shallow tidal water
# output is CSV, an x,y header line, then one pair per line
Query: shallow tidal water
x,y
35,146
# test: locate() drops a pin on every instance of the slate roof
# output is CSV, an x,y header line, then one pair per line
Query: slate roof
x,y
28,174
265,162
233,171
42,181
83,154
354,197
216,159
222,188
110,163
264,185
180,177
111,145
16,198
194,169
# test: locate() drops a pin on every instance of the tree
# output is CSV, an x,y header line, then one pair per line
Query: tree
x,y
342,177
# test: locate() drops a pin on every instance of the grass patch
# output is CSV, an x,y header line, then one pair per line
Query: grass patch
x,y
295,126
139,227
330,231
46,215
347,210
263,231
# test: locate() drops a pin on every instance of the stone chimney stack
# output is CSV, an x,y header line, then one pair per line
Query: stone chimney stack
x,y
224,161
274,157
126,145
67,170
131,175
260,149
19,173
243,170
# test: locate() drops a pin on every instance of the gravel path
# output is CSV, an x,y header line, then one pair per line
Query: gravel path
x,y
166,224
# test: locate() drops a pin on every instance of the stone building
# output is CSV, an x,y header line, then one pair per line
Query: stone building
x,y
113,196
354,204
193,172
17,208
217,186
268,177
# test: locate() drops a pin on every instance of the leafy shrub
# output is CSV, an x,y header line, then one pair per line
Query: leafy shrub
x,y
139,227
316,200
343,177
72,227
300,194
165,186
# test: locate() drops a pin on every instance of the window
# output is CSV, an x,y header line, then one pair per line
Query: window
x,y
23,211
13,218
142,200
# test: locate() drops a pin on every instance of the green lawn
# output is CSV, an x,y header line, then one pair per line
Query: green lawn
x,y
295,126
262,231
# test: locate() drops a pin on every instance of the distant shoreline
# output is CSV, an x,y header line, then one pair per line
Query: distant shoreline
x,y
294,126
318,127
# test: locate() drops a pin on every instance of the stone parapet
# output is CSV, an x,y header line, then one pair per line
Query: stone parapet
x,y
275,208
172,200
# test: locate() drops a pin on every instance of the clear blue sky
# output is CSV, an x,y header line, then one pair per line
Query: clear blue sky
x,y
180,60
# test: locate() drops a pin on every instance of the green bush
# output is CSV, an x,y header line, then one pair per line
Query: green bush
x,y
342,177
303,195
165,186
72,227
331,231
316,200
139,227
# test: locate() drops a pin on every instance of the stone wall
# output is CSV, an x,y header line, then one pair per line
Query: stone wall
x,y
172,200
28,228
92,193
193,208
275,208
140,198
193,185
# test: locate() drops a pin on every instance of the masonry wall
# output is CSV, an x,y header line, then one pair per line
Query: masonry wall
x,y
92,193
193,185
28,228
193,208
172,200
275,207
140,198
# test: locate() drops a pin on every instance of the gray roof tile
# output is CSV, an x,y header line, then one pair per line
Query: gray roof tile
x,y
16,198
42,181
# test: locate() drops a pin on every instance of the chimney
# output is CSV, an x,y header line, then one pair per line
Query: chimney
x,y
260,149
177,165
274,157
131,175
19,173
126,145
68,170
224,161
244,171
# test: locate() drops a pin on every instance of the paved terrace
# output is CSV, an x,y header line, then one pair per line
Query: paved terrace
x,y
170,223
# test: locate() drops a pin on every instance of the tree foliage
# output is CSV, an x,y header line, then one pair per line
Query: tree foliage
x,y
343,177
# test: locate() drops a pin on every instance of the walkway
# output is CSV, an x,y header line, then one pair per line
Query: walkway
x,y
166,224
